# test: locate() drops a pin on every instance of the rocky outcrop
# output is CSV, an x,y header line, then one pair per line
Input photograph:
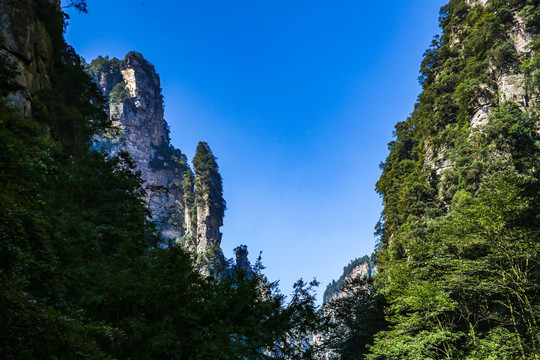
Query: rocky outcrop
x,y
208,224
136,111
362,267
513,87
210,204
25,41
508,83
185,204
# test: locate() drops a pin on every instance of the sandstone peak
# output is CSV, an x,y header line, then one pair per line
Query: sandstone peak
x,y
179,198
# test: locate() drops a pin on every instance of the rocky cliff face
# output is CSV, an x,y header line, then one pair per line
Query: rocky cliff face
x,y
509,83
26,42
31,40
179,199
362,267
506,81
136,111
449,180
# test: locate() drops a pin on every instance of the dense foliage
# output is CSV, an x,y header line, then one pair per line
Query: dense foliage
x,y
83,275
352,319
105,65
119,93
459,251
208,182
81,272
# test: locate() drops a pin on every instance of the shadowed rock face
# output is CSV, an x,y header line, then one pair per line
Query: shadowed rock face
x,y
27,44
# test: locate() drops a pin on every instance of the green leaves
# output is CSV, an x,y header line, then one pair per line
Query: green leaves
x,y
459,255
208,182
119,93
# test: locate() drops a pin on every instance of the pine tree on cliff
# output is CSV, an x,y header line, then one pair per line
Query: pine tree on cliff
x,y
210,208
208,183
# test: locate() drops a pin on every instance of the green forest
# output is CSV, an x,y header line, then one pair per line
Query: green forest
x,y
84,274
459,249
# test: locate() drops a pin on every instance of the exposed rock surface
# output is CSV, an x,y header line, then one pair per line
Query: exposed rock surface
x,y
512,87
26,42
475,2
357,268
137,114
208,224
180,200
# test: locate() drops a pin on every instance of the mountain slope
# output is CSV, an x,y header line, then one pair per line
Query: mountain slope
x,y
459,236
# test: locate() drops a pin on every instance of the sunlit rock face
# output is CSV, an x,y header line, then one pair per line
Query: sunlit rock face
x,y
139,128
509,83
477,2
136,111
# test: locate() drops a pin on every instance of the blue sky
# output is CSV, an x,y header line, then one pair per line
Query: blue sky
x,y
297,99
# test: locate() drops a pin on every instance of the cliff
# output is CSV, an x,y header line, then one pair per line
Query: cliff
x,y
136,111
27,43
485,62
504,77
460,192
186,205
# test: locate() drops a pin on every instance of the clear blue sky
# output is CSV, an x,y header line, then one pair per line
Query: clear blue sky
x,y
297,99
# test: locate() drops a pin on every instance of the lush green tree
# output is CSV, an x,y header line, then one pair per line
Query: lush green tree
x,y
208,182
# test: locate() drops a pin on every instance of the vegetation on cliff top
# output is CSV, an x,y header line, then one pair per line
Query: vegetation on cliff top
x,y
208,183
